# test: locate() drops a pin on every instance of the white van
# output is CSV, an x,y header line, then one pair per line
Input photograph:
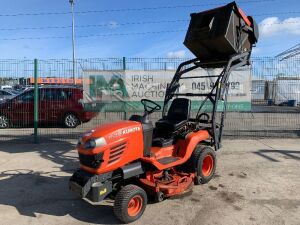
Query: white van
x,y
6,87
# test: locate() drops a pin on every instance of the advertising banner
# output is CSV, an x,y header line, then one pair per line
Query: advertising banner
x,y
123,90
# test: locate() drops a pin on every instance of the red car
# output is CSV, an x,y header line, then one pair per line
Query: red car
x,y
57,105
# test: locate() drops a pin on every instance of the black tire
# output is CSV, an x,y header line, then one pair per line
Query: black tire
x,y
4,122
71,120
159,197
130,194
205,170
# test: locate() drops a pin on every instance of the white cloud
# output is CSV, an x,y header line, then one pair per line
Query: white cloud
x,y
273,26
256,50
176,54
113,24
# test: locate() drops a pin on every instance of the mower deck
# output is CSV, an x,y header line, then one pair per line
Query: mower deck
x,y
171,184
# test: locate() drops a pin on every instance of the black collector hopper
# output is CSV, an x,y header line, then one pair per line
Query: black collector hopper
x,y
217,34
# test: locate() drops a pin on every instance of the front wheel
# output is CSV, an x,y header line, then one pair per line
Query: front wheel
x,y
204,161
130,203
71,120
4,122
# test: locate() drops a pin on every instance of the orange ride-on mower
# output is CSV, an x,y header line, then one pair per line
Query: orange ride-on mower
x,y
131,161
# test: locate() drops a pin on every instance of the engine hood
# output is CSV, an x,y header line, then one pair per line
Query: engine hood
x,y
113,131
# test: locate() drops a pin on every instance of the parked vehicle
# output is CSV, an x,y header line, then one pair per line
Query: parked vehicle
x,y
6,87
25,88
57,105
5,94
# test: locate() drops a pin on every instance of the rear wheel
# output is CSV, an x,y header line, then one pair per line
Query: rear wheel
x,y
130,203
71,120
4,122
204,163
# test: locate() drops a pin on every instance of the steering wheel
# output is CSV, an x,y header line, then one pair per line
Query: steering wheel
x,y
148,108
205,120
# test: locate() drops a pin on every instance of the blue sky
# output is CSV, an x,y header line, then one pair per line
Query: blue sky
x,y
279,21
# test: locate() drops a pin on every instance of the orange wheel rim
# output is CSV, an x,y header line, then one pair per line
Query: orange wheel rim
x,y
135,205
207,165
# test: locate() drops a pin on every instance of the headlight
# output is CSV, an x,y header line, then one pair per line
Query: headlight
x,y
89,144
94,143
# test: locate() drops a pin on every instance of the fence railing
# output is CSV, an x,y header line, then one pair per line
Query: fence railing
x,y
275,96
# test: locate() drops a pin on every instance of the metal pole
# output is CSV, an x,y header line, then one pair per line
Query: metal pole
x,y
124,102
73,38
36,102
124,63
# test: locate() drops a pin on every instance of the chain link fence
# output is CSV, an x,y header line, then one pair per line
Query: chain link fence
x,y
64,110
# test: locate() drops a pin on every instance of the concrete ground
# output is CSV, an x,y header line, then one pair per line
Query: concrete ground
x,y
257,182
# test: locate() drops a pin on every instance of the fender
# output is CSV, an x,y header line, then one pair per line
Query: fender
x,y
184,147
188,145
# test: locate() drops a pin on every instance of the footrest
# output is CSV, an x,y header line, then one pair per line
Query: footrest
x,y
167,160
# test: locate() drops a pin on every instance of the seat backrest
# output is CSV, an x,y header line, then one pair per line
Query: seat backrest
x,y
179,109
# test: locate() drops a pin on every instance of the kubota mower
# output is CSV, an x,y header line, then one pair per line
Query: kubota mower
x,y
132,161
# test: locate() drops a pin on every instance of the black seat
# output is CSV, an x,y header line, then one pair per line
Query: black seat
x,y
178,115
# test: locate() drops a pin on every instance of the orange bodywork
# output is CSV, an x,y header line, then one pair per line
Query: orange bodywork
x,y
182,150
176,182
245,18
124,144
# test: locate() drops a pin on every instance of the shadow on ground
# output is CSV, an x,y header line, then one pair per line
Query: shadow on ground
x,y
277,155
34,193
27,137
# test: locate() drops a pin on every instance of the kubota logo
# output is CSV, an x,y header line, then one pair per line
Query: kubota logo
x,y
124,131
130,130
